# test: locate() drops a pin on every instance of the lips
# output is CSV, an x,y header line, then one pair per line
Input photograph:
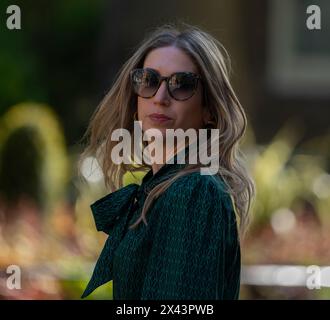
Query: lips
x,y
159,117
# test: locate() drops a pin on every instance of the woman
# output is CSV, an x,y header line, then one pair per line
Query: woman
x,y
189,247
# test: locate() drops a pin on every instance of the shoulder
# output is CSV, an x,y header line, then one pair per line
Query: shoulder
x,y
196,203
199,184
196,190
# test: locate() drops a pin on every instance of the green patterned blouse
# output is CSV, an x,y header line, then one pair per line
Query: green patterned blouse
x,y
189,249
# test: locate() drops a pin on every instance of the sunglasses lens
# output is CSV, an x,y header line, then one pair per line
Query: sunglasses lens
x,y
145,82
182,85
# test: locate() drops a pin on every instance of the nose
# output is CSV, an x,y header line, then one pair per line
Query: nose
x,y
162,97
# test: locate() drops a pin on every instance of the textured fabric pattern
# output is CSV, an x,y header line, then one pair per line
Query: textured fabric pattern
x,y
188,250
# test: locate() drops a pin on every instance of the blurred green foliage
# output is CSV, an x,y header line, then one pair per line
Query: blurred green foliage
x,y
56,45
284,174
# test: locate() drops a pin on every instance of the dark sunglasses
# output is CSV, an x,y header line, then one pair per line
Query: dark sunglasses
x,y
180,85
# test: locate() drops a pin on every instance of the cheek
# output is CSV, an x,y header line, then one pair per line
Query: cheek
x,y
143,111
190,118
190,114
140,106
143,108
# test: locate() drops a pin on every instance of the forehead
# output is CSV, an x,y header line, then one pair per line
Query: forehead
x,y
168,60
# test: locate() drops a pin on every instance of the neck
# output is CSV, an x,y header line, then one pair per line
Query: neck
x,y
167,155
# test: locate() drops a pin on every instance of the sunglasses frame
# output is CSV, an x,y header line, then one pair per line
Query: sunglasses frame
x,y
161,78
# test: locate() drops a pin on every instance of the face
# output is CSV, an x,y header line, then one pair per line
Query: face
x,y
182,114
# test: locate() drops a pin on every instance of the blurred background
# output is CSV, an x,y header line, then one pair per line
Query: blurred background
x,y
57,68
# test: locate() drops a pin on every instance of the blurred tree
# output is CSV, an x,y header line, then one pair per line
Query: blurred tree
x,y
33,158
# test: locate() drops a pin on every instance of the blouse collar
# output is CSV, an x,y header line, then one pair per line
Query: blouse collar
x,y
116,204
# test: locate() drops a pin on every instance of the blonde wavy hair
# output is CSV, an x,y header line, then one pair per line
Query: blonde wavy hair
x,y
119,105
